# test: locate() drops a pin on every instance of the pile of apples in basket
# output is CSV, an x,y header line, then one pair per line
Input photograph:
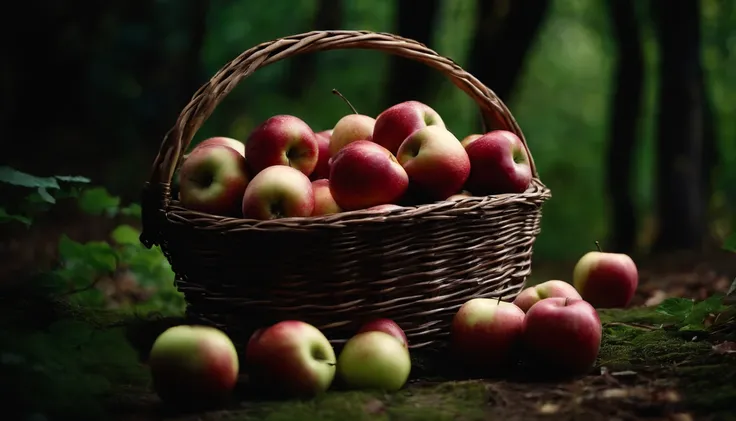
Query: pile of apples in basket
x,y
404,157
552,327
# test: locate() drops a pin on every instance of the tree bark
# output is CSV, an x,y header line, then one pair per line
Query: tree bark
x,y
500,44
302,68
410,80
625,113
682,202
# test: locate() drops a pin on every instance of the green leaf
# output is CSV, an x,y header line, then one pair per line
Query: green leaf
x,y
702,309
676,307
133,210
7,217
96,201
732,288
69,249
125,234
17,178
693,328
72,179
730,243
98,255
44,194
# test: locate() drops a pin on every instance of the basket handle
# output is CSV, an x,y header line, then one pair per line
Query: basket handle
x,y
157,193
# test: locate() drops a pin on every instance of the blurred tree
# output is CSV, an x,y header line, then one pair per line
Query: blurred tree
x,y
410,80
504,32
682,154
329,15
625,114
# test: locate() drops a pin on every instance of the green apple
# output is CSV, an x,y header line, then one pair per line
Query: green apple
x,y
374,360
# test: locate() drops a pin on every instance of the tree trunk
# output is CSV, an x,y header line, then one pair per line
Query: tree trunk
x,y
302,68
502,40
410,80
682,202
625,113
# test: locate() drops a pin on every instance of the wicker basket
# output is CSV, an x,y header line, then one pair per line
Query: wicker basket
x,y
415,265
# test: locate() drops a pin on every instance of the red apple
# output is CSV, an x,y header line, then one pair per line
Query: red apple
x,y
282,140
387,326
224,141
554,288
435,161
562,336
324,203
291,358
365,174
485,334
322,169
606,280
212,179
193,366
278,192
349,129
396,123
498,164
467,139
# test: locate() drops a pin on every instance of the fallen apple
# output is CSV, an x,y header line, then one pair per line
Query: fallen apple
x,y
212,180
398,122
282,140
498,164
562,336
193,366
291,359
324,203
278,192
387,326
606,280
374,360
554,288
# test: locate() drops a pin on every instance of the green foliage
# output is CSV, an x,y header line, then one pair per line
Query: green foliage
x,y
730,243
690,315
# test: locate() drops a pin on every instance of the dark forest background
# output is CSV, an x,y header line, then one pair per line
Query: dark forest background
x,y
628,106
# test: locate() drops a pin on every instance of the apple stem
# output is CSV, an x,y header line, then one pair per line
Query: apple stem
x,y
336,92
567,299
598,246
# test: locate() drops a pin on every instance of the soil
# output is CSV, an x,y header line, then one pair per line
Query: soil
x,y
647,369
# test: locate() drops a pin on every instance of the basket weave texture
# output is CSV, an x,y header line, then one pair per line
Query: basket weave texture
x,y
415,265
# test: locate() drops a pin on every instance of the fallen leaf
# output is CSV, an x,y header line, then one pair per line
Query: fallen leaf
x,y
728,347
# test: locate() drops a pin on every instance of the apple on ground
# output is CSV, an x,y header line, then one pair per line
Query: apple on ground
x,y
282,140
562,336
374,360
322,169
350,128
387,326
397,122
469,138
278,192
459,196
554,288
435,161
213,179
193,366
365,174
224,141
291,359
606,280
485,335
324,203
498,164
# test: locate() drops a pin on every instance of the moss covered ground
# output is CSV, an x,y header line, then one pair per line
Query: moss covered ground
x,y
88,366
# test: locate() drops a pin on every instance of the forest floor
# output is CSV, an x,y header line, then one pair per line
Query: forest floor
x,y
647,368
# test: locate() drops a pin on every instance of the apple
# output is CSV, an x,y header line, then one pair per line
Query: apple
x,y
213,179
278,192
459,196
365,174
324,203
282,140
350,128
397,122
606,280
387,326
467,139
290,358
224,141
193,366
498,164
374,360
435,161
322,169
562,336
554,288
486,333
